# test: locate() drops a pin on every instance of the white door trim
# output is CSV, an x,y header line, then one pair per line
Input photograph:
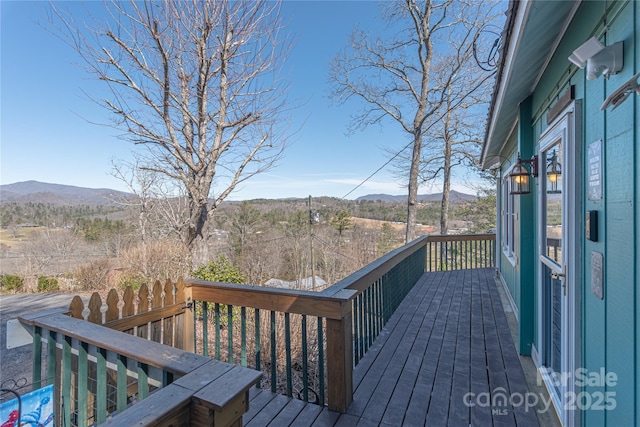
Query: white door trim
x,y
567,127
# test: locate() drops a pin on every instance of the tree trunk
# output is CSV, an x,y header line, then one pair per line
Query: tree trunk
x,y
412,200
199,251
196,239
446,189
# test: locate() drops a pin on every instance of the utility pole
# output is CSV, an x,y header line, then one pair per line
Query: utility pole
x,y
314,218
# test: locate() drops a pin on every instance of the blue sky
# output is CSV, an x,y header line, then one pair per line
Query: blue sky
x,y
45,113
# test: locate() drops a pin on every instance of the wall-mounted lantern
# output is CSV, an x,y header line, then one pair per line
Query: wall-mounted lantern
x,y
520,175
554,174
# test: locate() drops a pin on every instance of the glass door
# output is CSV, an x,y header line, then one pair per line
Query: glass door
x,y
558,225
552,267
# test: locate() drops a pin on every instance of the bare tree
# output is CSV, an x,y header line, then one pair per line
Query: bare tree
x,y
392,74
195,82
455,139
142,184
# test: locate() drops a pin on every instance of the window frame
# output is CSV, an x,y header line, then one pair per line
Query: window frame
x,y
508,219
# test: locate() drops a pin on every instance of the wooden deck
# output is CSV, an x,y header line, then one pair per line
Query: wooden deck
x,y
448,338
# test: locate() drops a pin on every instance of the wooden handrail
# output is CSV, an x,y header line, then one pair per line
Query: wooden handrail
x,y
170,359
460,237
333,306
363,278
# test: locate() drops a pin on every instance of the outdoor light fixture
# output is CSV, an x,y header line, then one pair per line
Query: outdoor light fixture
x,y
554,174
598,58
622,93
520,175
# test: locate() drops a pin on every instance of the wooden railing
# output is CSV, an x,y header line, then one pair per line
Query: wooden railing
x,y
104,376
457,252
305,343
279,331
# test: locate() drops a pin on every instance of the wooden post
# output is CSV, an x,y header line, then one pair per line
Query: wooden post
x,y
187,322
340,361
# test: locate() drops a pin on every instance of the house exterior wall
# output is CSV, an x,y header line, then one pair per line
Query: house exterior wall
x,y
507,263
608,330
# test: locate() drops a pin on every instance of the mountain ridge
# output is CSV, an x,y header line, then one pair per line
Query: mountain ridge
x,y
58,194
454,196
62,194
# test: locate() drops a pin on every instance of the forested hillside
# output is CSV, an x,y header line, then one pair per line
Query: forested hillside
x,y
93,246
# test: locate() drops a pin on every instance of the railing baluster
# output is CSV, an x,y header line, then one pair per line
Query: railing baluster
x,y
320,361
51,358
121,383
216,316
67,404
257,341
362,326
363,299
101,385
205,329
230,333
486,254
305,361
273,352
356,335
370,317
287,343
83,374
143,380
195,329
36,369
467,258
380,305
243,336
474,255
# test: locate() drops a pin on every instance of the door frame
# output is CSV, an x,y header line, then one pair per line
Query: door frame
x,y
568,126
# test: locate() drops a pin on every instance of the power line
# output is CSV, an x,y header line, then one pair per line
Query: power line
x,y
333,248
425,130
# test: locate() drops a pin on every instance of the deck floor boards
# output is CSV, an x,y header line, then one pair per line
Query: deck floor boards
x,y
448,338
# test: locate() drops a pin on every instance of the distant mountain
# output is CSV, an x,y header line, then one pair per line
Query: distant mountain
x,y
454,196
57,194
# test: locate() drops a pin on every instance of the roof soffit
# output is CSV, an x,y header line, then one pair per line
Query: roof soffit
x,y
533,40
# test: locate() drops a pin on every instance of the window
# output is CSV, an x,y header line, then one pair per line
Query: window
x,y
508,218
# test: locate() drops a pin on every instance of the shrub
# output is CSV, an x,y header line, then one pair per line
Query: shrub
x,y
11,283
157,259
219,271
92,275
133,280
47,284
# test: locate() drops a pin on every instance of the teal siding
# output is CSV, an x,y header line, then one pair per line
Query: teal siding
x,y
609,329
527,232
507,264
620,255
636,138
519,272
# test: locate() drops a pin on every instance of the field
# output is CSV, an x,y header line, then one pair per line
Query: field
x,y
15,237
397,226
